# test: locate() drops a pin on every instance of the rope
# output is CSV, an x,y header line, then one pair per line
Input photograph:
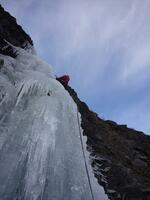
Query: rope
x,y
86,167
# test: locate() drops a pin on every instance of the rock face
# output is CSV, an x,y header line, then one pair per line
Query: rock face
x,y
11,32
120,156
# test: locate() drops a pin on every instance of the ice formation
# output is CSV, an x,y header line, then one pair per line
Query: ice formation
x,y
40,150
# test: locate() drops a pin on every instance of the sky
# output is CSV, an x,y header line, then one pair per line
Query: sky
x,y
104,45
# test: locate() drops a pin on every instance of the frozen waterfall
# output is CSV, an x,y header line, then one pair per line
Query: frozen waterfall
x,y
40,151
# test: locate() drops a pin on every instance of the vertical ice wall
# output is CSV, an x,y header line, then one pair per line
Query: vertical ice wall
x,y
40,150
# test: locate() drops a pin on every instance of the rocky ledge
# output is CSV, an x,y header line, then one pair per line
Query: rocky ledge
x,y
12,32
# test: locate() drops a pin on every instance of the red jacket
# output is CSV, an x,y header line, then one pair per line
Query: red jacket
x,y
63,79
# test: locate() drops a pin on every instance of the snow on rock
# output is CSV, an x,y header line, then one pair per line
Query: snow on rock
x,y
40,150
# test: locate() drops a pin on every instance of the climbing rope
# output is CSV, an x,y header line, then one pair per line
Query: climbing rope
x,y
86,167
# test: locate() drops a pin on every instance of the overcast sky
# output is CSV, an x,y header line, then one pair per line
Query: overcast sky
x,y
104,45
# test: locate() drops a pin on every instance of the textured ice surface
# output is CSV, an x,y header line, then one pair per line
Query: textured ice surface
x,y
40,150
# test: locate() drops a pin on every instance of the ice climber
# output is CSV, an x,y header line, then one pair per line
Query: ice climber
x,y
63,79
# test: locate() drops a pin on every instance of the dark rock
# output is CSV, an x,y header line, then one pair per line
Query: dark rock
x,y
139,163
125,153
11,32
111,122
